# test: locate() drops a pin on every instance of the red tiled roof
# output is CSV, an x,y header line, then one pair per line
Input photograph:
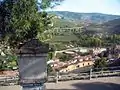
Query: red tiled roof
x,y
9,73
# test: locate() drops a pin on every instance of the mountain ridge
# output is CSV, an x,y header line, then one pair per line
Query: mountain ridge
x,y
85,17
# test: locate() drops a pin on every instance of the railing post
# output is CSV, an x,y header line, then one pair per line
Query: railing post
x,y
90,74
56,77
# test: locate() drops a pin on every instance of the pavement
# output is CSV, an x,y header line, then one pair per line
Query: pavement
x,y
109,83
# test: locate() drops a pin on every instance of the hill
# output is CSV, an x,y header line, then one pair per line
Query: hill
x,y
85,17
110,27
113,26
60,22
97,27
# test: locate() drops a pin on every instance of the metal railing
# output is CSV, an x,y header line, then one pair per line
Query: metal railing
x,y
65,77
96,73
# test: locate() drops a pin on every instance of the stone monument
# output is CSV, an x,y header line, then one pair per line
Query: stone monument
x,y
32,64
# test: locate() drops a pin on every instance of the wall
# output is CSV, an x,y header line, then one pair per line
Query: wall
x,y
77,66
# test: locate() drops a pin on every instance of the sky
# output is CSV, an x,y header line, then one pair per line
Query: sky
x,y
90,6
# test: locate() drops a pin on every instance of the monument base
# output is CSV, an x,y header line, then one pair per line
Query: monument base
x,y
33,87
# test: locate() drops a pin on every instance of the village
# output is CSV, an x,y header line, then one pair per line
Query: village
x,y
82,63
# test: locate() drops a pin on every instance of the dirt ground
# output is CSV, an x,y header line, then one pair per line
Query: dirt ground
x,y
111,83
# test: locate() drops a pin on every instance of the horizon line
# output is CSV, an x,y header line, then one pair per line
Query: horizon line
x,y
84,12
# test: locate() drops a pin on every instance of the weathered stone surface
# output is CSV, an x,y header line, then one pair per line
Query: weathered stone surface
x,y
32,61
33,46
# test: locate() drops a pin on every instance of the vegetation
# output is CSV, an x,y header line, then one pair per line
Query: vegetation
x,y
83,40
64,57
100,64
21,20
8,62
61,22
49,69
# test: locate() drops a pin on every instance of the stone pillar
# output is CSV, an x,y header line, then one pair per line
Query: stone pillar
x,y
32,64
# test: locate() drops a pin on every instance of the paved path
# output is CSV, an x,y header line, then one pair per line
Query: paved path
x,y
111,83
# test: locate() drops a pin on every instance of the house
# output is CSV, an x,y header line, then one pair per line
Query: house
x,y
77,65
76,62
9,73
97,51
112,53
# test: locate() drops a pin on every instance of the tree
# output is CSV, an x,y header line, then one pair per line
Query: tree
x,y
49,69
64,57
8,62
21,20
100,63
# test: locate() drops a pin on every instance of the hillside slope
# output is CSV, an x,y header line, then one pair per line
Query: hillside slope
x,y
113,26
85,17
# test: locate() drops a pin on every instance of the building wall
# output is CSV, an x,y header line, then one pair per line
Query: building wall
x,y
77,66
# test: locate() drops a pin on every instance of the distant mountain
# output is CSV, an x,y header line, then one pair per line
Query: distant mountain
x,y
85,17
93,23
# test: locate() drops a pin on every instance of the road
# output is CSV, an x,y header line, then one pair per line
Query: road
x,y
111,83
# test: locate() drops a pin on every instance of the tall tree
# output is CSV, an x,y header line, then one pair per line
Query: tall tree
x,y
23,19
